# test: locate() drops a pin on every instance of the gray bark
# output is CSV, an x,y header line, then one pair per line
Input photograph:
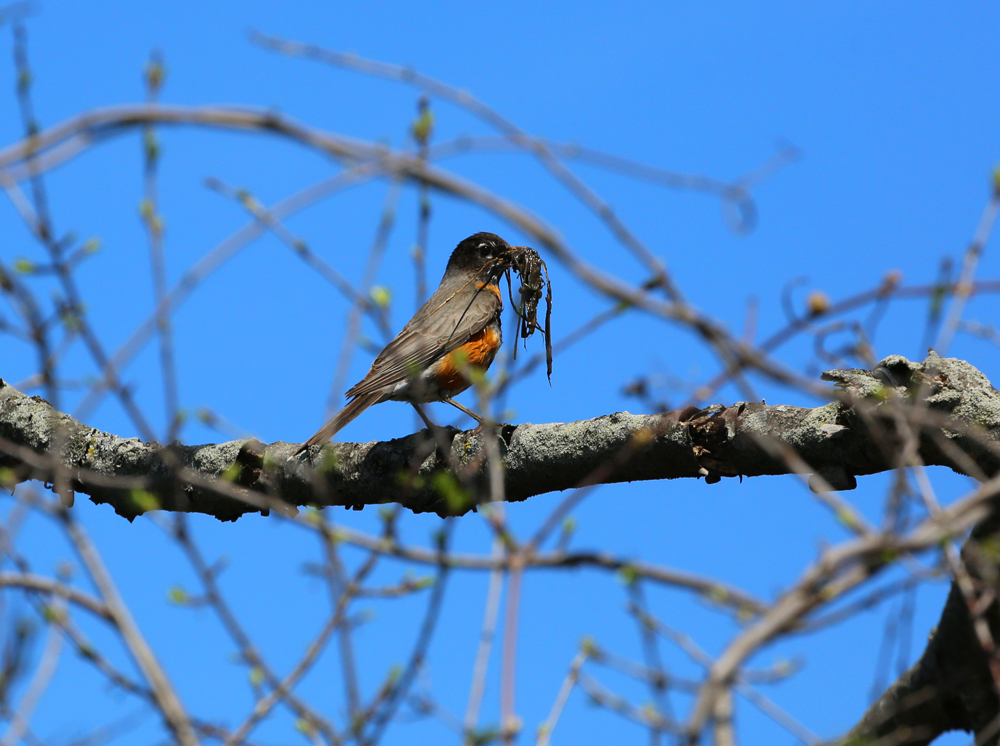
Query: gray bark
x,y
951,687
859,434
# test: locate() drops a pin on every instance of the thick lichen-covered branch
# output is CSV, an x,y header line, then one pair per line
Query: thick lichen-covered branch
x,y
950,403
951,687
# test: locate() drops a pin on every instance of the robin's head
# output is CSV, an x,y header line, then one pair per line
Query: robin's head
x,y
483,254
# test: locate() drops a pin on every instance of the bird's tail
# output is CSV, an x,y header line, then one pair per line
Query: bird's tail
x,y
340,420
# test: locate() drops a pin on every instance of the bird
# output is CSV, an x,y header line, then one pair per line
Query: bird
x,y
457,328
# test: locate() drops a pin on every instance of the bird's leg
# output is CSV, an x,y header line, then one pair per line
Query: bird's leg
x,y
481,420
442,442
430,425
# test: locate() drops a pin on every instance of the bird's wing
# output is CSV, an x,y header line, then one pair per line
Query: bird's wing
x,y
431,334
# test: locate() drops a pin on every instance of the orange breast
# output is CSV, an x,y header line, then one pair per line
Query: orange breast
x,y
495,289
479,351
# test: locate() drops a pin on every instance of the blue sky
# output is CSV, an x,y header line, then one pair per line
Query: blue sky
x,y
894,110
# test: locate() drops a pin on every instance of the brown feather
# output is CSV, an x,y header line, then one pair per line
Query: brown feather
x,y
430,335
340,420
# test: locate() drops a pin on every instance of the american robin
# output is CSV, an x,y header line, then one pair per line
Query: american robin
x,y
458,326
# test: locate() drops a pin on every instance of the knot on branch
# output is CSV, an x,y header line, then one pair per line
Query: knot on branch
x,y
943,384
950,400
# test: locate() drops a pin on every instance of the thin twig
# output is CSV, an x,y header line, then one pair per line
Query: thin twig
x,y
166,697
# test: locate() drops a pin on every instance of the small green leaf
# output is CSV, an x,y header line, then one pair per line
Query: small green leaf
x,y
381,295
250,203
476,374
52,614
155,73
24,266
410,481
151,144
455,495
71,320
305,727
144,500
422,126
628,575
358,721
484,736
232,472
314,518
990,548
882,393
651,714
847,518
330,461
177,595
8,480
941,291
717,594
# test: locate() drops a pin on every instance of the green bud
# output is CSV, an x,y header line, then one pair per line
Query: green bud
x,y
422,127
305,727
144,500
232,472
455,495
381,295
628,575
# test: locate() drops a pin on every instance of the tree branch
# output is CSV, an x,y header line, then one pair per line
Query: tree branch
x,y
958,417
951,686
